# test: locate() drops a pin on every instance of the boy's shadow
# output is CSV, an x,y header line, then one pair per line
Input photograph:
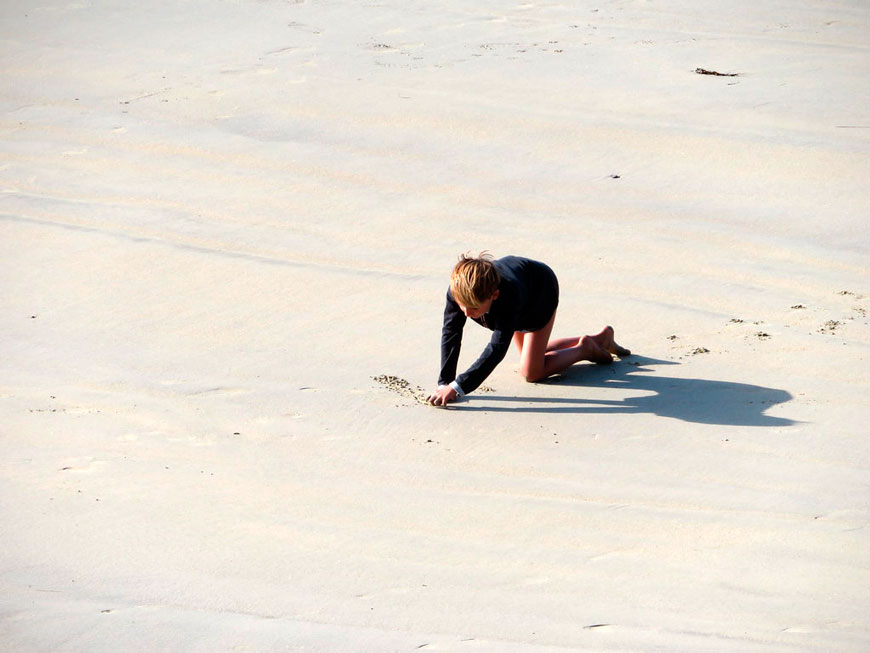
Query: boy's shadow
x,y
691,400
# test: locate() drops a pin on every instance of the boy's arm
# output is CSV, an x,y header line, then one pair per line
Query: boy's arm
x,y
451,340
491,356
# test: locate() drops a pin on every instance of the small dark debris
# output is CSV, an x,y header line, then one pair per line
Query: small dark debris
x,y
673,337
704,71
615,177
762,335
735,320
798,306
700,350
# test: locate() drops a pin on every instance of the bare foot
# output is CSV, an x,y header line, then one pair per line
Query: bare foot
x,y
606,342
592,351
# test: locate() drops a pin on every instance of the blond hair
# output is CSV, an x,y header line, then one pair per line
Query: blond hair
x,y
474,279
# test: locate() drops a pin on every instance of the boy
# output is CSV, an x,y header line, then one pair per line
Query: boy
x,y
516,298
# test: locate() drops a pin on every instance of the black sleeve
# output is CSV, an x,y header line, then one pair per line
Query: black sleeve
x,y
451,340
492,355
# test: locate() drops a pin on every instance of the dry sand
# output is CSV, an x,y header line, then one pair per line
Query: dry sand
x,y
220,221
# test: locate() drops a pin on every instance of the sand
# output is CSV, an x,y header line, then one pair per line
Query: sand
x,y
225,233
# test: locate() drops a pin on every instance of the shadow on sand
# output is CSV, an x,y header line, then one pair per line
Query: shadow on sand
x,y
691,400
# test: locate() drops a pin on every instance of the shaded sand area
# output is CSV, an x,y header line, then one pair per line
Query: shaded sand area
x,y
225,235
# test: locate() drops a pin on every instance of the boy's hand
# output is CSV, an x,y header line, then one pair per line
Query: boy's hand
x,y
442,395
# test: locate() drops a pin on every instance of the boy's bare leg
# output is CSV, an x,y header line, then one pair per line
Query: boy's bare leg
x,y
538,361
563,343
553,345
604,339
533,352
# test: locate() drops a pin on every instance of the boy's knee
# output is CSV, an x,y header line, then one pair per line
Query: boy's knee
x,y
531,377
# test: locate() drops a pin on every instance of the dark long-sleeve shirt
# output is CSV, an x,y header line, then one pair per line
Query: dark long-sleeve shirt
x,y
528,296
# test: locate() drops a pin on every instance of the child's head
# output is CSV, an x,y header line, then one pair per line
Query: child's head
x,y
474,280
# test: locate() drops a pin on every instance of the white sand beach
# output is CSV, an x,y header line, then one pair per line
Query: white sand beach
x,y
223,223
